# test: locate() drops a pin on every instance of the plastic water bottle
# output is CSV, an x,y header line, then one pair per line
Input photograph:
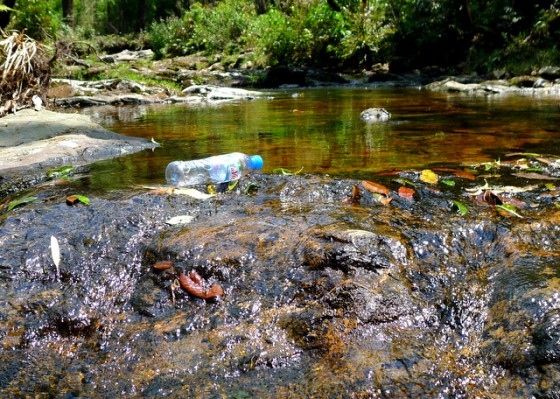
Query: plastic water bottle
x,y
216,169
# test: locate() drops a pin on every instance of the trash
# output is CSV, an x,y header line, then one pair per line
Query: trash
x,y
215,170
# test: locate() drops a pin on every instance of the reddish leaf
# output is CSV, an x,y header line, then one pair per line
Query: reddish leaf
x,y
163,265
515,202
406,192
354,197
375,187
394,172
489,198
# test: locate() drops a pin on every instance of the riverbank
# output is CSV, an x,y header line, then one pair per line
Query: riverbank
x,y
34,142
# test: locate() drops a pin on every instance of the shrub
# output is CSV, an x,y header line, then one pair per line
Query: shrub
x,y
38,18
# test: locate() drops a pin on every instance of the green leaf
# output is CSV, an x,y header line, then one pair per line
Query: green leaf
x,y
82,199
404,182
60,173
550,186
463,210
450,183
251,188
286,172
509,208
232,185
20,201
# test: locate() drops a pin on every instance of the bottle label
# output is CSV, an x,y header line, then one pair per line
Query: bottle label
x,y
234,171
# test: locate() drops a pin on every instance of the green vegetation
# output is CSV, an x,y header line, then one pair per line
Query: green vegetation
x,y
465,36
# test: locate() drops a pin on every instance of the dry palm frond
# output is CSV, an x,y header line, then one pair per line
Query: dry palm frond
x,y
24,67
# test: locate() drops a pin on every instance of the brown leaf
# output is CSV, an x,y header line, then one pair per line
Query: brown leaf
x,y
375,187
394,172
385,200
533,175
163,265
72,200
163,190
515,202
354,197
489,198
457,172
406,192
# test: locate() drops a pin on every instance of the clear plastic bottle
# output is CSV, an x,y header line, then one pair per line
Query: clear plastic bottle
x,y
216,169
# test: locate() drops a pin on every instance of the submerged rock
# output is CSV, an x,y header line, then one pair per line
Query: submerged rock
x,y
375,115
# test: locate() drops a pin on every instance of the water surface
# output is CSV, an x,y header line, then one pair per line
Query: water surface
x,y
320,131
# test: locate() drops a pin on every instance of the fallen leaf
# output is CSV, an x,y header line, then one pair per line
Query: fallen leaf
x,y
406,192
545,160
404,182
523,154
382,199
508,209
428,176
59,173
463,210
20,201
74,199
517,203
375,187
286,172
55,252
450,183
459,173
394,172
163,265
489,198
183,219
162,190
536,176
354,198
192,192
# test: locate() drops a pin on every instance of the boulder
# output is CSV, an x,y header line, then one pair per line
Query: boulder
x,y
375,115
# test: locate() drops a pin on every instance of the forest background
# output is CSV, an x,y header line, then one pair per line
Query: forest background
x,y
461,36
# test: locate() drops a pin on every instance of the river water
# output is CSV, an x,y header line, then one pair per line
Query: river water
x,y
320,130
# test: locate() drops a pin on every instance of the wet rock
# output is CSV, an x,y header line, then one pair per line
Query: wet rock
x,y
549,72
351,249
128,55
217,93
321,298
32,142
375,115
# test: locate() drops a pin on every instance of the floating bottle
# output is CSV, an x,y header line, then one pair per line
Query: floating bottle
x,y
216,169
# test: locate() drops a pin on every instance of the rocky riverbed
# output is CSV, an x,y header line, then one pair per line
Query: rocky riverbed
x,y
435,283
332,288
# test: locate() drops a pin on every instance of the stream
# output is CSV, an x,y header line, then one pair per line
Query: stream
x,y
412,258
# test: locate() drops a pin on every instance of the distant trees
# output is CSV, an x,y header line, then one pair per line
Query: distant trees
x,y
475,34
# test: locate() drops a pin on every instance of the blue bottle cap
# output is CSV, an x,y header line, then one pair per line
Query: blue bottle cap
x,y
256,162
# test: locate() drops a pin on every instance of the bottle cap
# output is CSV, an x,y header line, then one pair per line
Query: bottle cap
x,y
256,162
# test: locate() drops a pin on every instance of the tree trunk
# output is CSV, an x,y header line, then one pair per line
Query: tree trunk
x,y
141,15
68,12
5,16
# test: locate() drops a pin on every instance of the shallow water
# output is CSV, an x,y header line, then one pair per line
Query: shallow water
x,y
320,131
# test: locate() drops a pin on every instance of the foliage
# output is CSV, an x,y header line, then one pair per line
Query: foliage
x,y
480,35
39,18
